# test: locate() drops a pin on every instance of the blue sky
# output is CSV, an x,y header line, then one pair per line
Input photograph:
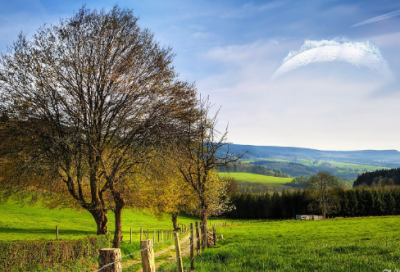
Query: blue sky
x,y
337,90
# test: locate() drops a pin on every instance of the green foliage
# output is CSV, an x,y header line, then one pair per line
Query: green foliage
x,y
380,177
359,244
346,202
30,255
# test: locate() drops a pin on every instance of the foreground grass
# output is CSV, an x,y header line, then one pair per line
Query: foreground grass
x,y
366,244
250,177
22,223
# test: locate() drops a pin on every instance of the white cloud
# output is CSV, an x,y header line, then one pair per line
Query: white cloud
x,y
333,110
360,54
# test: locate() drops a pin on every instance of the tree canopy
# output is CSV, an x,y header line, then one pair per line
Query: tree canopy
x,y
87,102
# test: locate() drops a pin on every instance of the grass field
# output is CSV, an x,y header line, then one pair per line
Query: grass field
x,y
20,223
353,244
249,177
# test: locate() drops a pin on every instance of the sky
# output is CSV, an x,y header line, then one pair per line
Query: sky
x,y
311,73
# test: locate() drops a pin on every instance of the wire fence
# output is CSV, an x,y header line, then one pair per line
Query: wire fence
x,y
204,238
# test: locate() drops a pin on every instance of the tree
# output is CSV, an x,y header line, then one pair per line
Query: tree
x,y
171,194
88,99
200,155
322,187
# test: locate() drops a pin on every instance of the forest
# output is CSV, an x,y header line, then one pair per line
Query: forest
x,y
380,177
375,201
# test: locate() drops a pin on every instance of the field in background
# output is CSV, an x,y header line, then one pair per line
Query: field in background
x,y
250,177
307,167
353,166
351,244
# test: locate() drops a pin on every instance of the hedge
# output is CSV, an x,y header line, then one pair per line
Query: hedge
x,y
30,255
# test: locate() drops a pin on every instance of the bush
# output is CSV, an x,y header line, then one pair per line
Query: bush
x,y
31,255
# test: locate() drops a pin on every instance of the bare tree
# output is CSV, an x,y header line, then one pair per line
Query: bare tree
x,y
87,101
202,151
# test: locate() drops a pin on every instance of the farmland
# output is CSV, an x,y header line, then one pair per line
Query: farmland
x,y
351,244
250,177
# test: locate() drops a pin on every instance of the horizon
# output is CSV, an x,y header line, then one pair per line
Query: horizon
x,y
339,150
320,75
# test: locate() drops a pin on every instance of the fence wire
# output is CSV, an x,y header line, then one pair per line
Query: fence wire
x,y
159,244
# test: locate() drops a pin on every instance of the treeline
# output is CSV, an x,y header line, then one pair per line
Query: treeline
x,y
382,177
255,169
347,202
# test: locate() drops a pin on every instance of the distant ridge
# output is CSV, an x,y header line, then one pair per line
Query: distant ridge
x,y
385,158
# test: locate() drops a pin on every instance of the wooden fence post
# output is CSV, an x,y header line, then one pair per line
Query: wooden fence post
x,y
147,253
154,238
141,234
198,238
214,235
205,237
162,236
191,246
57,233
178,253
130,236
108,256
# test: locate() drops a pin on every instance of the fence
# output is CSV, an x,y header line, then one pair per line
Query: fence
x,y
199,238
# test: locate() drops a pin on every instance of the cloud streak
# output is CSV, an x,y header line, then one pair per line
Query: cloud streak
x,y
360,54
378,18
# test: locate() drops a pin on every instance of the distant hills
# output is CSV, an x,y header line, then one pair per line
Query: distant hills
x,y
384,158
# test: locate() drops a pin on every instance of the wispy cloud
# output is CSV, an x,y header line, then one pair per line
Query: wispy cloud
x,y
378,18
360,54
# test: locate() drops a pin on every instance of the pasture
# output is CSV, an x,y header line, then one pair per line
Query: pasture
x,y
250,177
351,244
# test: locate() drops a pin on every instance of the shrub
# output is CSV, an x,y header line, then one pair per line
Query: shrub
x,y
30,255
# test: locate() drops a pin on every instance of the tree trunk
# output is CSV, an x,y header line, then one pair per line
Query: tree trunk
x,y
119,205
175,220
100,216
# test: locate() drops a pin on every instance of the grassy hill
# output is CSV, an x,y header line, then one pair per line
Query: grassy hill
x,y
250,177
256,183
382,158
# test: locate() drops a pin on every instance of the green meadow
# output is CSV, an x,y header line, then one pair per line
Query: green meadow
x,y
22,223
250,177
351,244
18,223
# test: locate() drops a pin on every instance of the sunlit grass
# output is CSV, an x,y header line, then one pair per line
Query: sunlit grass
x,y
250,177
367,244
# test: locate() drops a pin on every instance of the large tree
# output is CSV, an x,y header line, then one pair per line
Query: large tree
x,y
323,192
87,100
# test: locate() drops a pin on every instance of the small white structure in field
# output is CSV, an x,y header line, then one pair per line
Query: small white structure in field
x,y
309,217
